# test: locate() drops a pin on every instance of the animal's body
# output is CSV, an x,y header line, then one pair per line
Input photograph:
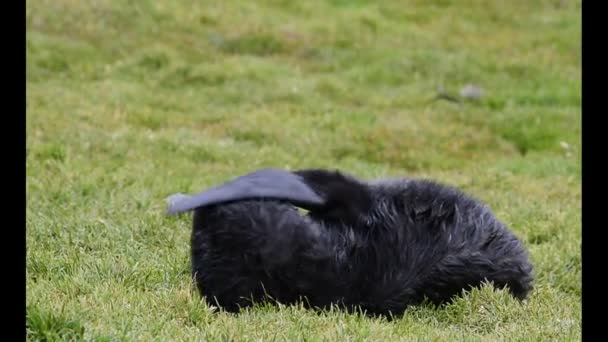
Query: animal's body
x,y
378,246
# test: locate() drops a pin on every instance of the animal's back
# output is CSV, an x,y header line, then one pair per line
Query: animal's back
x,y
431,240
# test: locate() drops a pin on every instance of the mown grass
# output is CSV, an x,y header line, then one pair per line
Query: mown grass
x,y
128,102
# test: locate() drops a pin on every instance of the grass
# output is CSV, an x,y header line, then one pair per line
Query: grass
x,y
128,102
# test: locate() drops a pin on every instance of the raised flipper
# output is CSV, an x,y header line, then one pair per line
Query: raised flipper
x,y
267,183
347,199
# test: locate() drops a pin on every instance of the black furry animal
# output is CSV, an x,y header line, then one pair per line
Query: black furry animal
x,y
376,246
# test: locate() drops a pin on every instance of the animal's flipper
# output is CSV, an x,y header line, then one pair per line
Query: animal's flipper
x,y
346,199
267,183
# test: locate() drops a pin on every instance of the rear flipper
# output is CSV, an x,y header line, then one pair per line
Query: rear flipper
x,y
328,195
262,184
245,251
346,199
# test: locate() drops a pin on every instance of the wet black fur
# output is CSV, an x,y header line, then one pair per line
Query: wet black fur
x,y
378,246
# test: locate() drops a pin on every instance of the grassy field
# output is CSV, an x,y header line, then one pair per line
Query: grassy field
x,y
128,102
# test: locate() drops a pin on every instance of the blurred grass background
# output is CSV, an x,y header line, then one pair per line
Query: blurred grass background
x,y
128,102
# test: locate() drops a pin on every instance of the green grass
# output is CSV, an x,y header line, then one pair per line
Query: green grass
x,y
128,102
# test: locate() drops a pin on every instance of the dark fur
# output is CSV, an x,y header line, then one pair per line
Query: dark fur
x,y
379,246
